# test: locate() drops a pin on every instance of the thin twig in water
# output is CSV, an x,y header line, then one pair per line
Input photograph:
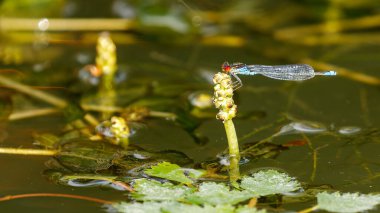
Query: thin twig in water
x,y
79,197
55,24
364,106
17,151
100,108
262,128
315,159
32,92
167,115
32,113
123,185
91,119
255,131
308,209
345,24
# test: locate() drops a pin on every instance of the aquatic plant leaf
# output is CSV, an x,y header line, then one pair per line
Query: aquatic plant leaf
x,y
169,207
347,202
48,141
27,8
306,195
149,190
194,173
246,209
73,112
185,208
217,194
170,171
151,207
175,157
270,182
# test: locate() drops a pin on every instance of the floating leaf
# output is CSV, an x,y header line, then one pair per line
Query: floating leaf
x,y
169,207
214,194
48,141
153,190
270,182
194,173
246,209
347,202
185,208
151,207
171,171
306,195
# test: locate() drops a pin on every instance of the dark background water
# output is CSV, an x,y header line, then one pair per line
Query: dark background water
x,y
171,50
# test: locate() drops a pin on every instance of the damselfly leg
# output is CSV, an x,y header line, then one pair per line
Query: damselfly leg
x,y
236,82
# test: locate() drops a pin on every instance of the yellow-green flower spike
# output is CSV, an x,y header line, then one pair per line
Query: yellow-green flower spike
x,y
223,93
106,54
106,61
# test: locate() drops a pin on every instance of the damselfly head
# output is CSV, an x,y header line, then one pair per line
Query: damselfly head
x,y
226,67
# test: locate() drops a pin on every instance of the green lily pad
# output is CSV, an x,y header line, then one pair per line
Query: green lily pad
x,y
246,209
170,207
174,172
218,194
151,207
270,182
185,208
347,202
151,190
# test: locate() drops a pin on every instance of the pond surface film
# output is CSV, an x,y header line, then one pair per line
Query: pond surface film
x,y
323,131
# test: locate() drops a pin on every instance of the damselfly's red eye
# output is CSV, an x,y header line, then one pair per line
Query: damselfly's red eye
x,y
226,67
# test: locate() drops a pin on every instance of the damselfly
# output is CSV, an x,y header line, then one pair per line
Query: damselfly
x,y
289,72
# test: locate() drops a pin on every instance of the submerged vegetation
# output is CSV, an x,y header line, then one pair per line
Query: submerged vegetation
x,y
125,105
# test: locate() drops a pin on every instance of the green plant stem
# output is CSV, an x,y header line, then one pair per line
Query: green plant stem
x,y
233,151
309,209
112,109
108,96
17,151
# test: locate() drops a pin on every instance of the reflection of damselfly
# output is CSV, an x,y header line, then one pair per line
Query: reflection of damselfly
x,y
290,72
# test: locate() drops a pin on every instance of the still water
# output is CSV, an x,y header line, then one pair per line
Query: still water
x,y
169,51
